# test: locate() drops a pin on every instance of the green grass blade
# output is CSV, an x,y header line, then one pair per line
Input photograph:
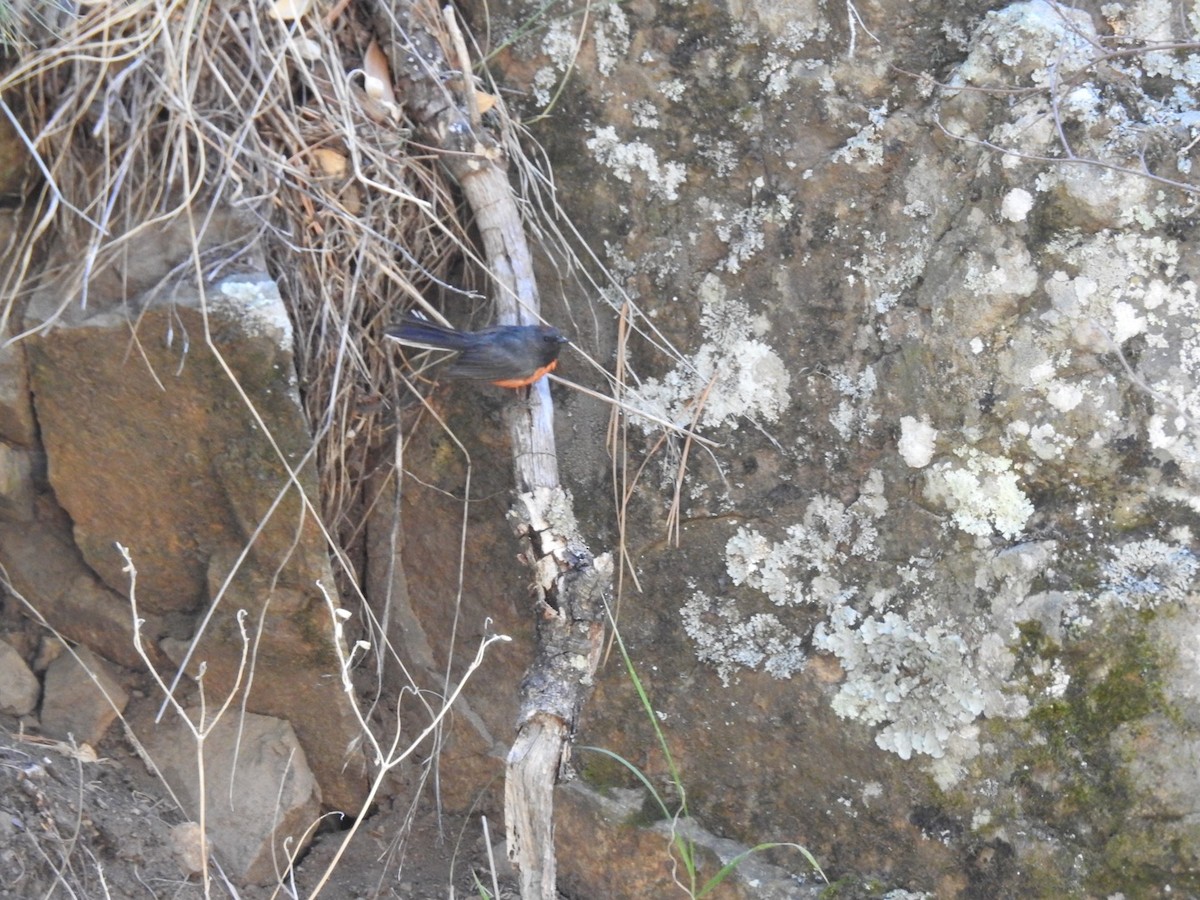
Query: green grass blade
x,y
727,869
667,814
676,778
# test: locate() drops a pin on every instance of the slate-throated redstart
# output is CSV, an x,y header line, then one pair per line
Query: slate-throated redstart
x,y
511,356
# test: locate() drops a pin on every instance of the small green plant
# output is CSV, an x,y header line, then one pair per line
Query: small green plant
x,y
684,848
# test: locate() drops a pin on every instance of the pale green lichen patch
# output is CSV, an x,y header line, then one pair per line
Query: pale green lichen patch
x,y
729,640
982,493
743,230
856,413
256,303
627,158
866,147
608,29
926,684
1144,574
918,441
734,373
1036,41
802,569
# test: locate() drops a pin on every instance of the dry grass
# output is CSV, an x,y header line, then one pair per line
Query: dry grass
x,y
138,120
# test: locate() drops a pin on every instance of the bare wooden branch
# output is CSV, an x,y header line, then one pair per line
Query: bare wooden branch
x,y
533,764
569,584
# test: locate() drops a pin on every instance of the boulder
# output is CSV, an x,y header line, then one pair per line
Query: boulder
x,y
172,426
82,697
261,799
19,688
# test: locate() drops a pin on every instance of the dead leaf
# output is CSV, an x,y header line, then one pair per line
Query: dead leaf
x,y
378,83
82,752
351,199
484,101
290,10
306,48
330,162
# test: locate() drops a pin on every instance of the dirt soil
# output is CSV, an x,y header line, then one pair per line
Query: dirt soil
x,y
73,825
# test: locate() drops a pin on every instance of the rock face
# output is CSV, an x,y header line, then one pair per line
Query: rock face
x,y
171,426
261,800
46,567
929,608
936,592
82,697
149,401
19,687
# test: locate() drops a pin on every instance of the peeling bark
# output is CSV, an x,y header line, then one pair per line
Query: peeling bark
x,y
569,584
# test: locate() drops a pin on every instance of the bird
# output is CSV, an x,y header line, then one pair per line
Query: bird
x,y
509,356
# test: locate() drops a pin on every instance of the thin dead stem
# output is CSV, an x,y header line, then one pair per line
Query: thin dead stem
x,y
389,756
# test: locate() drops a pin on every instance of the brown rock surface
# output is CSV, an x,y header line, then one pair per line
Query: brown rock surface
x,y
172,426
82,697
261,799
19,687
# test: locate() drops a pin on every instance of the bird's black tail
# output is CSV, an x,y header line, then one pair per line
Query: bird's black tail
x,y
421,333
